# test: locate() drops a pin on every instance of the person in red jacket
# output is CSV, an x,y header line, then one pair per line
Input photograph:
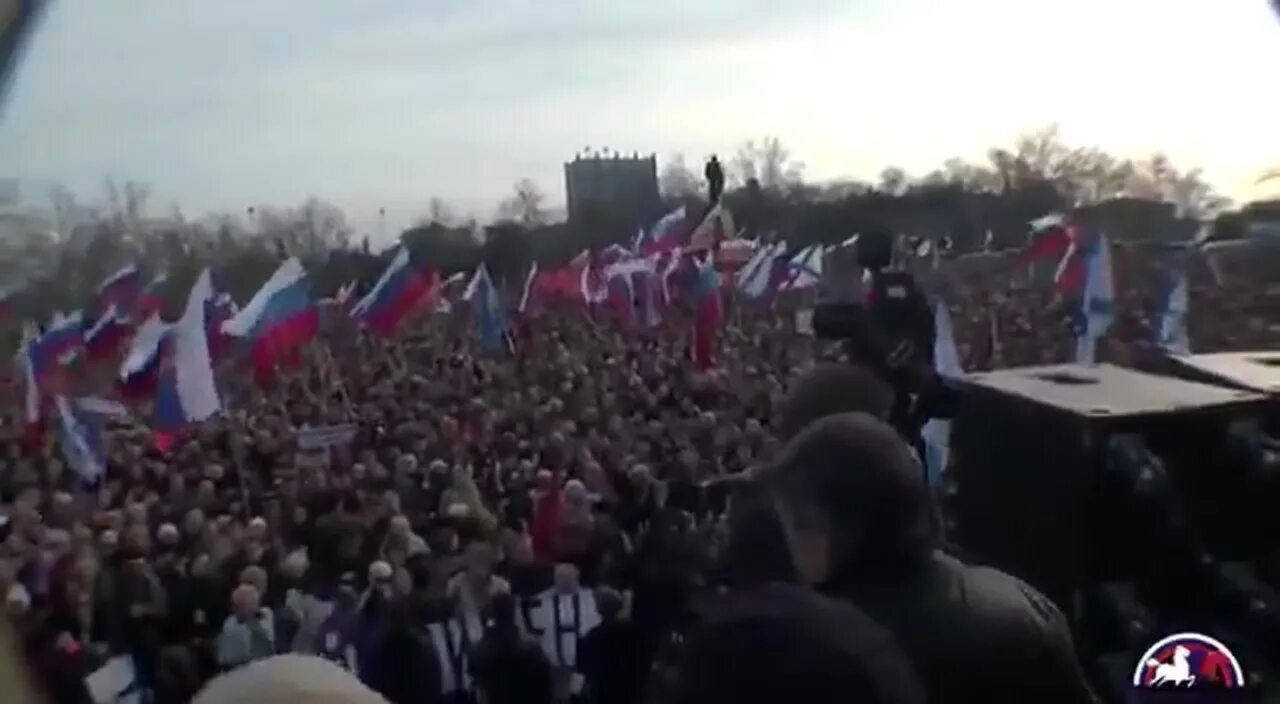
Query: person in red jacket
x,y
547,508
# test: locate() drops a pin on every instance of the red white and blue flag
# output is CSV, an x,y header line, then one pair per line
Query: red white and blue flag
x,y
141,366
399,290
186,390
121,288
152,299
62,342
279,319
218,310
103,338
665,235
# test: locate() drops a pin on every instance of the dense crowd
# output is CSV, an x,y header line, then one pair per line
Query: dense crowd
x,y
532,526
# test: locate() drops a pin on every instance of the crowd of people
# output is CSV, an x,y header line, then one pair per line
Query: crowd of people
x,y
550,524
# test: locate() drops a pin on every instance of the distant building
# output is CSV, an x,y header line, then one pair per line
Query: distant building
x,y
614,192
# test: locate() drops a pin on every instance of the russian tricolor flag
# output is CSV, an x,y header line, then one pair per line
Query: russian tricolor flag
x,y
103,339
217,311
279,319
141,364
151,300
664,236
400,288
60,343
186,391
121,288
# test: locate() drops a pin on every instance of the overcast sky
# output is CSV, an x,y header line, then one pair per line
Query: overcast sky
x,y
387,103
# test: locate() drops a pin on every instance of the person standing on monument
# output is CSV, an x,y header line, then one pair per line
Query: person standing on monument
x,y
715,179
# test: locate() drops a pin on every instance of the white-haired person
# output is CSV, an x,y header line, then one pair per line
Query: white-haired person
x,y
248,634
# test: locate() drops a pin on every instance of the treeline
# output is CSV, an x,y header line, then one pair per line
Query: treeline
x,y
1144,199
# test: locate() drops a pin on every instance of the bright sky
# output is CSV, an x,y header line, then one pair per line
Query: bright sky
x,y
387,103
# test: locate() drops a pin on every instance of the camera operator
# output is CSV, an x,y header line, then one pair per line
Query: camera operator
x,y
891,334
859,525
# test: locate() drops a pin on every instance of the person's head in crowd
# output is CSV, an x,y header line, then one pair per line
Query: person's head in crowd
x,y
517,548
640,476
566,578
202,566
479,559
256,531
295,565
62,509
381,587
206,494
167,536
57,543
245,601
577,499
136,514
288,679
193,523
787,644
17,601
829,389
137,539
399,527
255,576
610,604
849,495
108,543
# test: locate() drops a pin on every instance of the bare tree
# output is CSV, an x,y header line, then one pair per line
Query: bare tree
x,y
136,194
63,203
677,179
768,162
439,212
893,181
525,207
1158,179
324,225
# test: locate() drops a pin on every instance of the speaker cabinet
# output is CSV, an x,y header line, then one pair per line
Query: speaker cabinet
x,y
1029,456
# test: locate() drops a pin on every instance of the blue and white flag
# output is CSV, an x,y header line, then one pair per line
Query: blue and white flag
x,y
1171,335
946,361
80,437
805,268
493,324
757,273
1098,301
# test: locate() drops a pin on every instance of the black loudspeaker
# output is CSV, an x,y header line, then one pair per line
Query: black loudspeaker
x,y
1031,449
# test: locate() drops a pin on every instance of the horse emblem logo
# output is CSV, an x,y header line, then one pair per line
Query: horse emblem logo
x,y
1188,661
